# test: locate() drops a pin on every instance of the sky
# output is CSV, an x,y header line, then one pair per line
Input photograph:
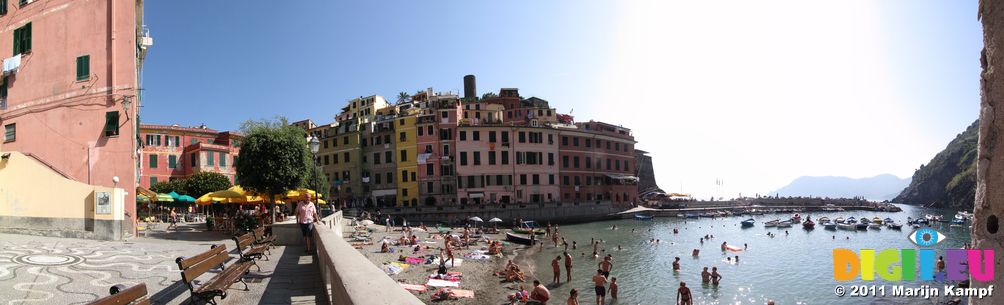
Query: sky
x,y
750,93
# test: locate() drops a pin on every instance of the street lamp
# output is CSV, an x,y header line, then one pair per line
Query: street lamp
x,y
315,145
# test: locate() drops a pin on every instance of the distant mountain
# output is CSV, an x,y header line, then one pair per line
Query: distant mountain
x,y
881,187
949,180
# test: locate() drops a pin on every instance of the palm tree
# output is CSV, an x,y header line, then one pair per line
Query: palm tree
x,y
403,97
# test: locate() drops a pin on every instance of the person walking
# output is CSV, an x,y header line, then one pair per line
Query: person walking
x,y
600,282
306,216
173,219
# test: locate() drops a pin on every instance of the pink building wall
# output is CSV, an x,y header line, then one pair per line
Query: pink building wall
x,y
486,184
159,140
60,119
594,148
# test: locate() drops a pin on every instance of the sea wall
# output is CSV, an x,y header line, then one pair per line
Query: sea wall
x,y
558,213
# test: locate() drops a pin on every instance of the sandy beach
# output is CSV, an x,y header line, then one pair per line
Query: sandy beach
x,y
477,274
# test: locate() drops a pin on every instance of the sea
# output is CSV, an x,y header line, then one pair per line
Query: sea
x,y
795,266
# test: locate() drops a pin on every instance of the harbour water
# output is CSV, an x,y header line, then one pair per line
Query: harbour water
x,y
792,268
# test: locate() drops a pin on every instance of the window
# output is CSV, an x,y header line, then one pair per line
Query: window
x,y
9,132
3,7
345,140
210,158
112,124
505,137
477,158
522,179
404,176
564,161
193,142
194,160
575,162
223,159
463,158
564,180
564,141
376,158
550,179
608,163
477,135
420,131
446,150
3,93
522,137
491,158
404,156
172,161
536,179
550,158
463,135
404,136
390,177
617,146
22,39
413,176
428,169
588,142
377,177
505,157
575,141
83,67
326,160
153,180
589,163
446,114
491,136
578,180
153,161
388,158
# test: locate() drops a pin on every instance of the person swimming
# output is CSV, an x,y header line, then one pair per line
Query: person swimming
x,y
676,264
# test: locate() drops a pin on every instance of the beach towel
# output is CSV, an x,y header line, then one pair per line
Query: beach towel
x,y
477,256
414,260
446,277
392,270
413,287
455,263
459,293
441,283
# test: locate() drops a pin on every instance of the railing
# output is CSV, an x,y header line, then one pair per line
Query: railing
x,y
349,277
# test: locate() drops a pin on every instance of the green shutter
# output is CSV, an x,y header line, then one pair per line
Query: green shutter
x,y
3,7
26,36
153,161
3,88
172,161
83,67
153,180
111,123
17,41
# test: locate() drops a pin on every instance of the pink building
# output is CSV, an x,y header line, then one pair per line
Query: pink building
x,y
69,94
499,163
173,152
436,128
597,163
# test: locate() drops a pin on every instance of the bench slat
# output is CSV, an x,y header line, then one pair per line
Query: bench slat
x,y
188,262
124,297
198,269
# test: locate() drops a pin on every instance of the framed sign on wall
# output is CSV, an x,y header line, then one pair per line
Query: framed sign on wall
x,y
102,203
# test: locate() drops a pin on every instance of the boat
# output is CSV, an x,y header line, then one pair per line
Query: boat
x,y
772,223
877,220
840,220
784,224
916,226
861,226
888,220
959,221
692,215
875,226
642,217
796,218
894,226
864,220
964,214
823,219
527,226
519,239
681,216
851,220
845,226
808,224
748,223
829,225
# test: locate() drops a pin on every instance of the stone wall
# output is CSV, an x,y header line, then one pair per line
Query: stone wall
x,y
989,180
540,212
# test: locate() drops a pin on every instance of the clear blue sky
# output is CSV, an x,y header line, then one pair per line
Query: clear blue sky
x,y
752,93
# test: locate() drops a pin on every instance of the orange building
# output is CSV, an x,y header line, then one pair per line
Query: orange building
x,y
174,152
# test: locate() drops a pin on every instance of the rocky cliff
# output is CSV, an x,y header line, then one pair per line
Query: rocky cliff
x,y
949,180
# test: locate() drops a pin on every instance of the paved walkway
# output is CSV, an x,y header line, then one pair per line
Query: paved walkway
x,y
48,270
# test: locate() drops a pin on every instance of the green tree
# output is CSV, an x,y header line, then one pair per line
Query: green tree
x,y
322,186
165,187
205,182
403,97
274,157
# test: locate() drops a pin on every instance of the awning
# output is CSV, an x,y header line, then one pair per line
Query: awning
x,y
476,195
622,177
145,192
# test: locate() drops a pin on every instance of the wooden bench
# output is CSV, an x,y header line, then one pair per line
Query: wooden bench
x,y
248,250
195,266
120,295
261,239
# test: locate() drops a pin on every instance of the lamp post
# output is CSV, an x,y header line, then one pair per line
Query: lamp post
x,y
315,145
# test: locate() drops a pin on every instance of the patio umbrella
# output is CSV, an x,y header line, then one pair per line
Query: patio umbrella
x,y
142,199
321,201
186,198
235,194
476,219
174,195
295,194
164,198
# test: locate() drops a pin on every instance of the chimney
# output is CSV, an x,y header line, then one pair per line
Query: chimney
x,y
470,87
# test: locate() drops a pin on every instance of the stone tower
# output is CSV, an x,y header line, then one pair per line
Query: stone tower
x,y
989,180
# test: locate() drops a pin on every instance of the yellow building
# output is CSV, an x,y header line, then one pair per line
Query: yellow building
x,y
407,165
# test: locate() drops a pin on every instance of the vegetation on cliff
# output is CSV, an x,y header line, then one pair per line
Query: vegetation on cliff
x,y
949,180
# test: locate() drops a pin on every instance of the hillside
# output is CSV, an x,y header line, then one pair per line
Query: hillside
x,y
948,181
881,187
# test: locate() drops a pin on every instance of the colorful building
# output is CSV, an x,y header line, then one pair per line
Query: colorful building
x,y
436,126
597,163
407,152
173,152
69,96
346,150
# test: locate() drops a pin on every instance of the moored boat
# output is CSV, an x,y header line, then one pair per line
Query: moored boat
x,y
527,227
829,225
851,220
840,220
864,220
772,223
877,220
888,220
808,224
692,215
519,239
796,218
875,226
784,224
642,217
748,223
894,226
845,226
823,219
861,226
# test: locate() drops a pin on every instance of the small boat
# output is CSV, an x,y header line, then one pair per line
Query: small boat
x,y
681,216
877,220
845,226
796,218
875,226
964,214
772,223
829,225
642,217
529,226
894,226
861,226
808,224
823,219
748,223
851,220
784,224
959,221
864,220
888,220
916,226
840,220
519,239
692,215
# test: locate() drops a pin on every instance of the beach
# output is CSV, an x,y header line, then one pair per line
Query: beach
x,y
477,275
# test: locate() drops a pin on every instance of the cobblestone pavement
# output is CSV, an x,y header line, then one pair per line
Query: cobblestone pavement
x,y
48,270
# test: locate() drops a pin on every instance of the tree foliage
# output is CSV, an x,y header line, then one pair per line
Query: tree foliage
x,y
205,182
322,184
165,187
274,157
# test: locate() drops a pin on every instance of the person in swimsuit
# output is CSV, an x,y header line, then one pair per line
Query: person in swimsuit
x,y
606,265
613,288
683,295
715,276
676,264
601,289
568,267
705,276
573,297
556,268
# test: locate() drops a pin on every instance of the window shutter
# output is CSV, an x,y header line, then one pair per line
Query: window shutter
x,y
26,34
17,41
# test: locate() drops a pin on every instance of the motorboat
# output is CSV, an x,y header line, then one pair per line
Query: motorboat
x,y
519,239
840,220
875,226
894,226
958,221
964,214
528,226
808,224
748,223
692,215
823,219
851,220
888,220
861,226
784,224
877,220
829,225
681,215
845,226
772,223
864,220
796,218
642,217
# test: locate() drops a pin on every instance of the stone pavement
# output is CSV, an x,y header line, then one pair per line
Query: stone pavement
x,y
49,270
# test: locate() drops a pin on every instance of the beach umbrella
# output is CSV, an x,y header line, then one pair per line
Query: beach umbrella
x,y
496,219
476,219
174,195
142,199
164,198
185,198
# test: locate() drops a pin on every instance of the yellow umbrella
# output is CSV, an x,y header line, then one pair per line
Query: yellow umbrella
x,y
299,192
235,194
321,201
